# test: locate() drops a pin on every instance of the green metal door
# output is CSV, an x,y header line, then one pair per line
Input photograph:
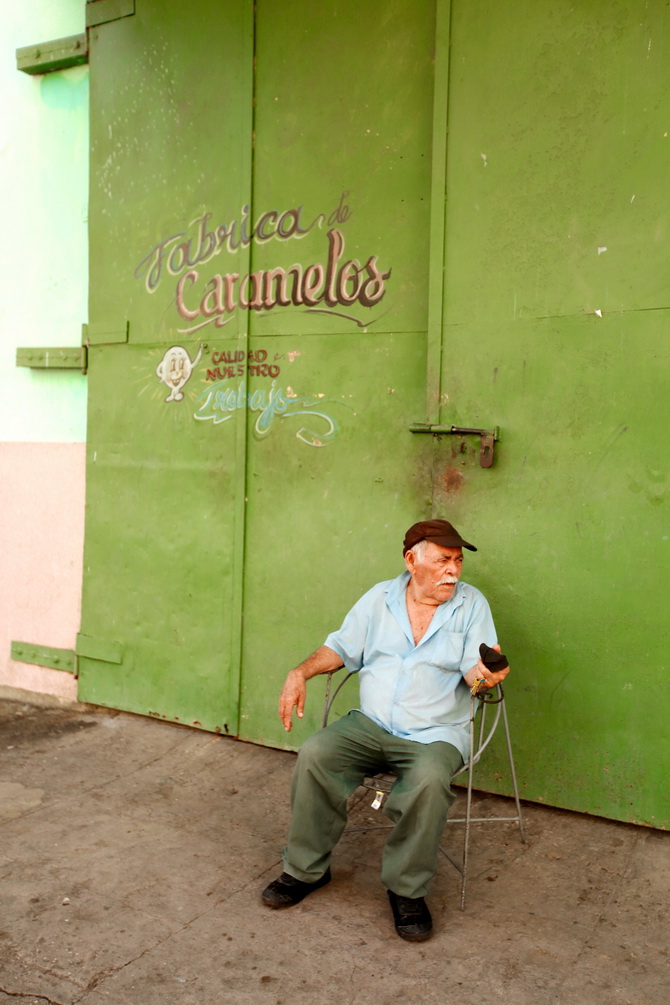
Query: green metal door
x,y
343,127
171,126
321,237
555,313
257,342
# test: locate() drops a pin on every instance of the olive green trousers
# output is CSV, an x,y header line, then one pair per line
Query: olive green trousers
x,y
332,764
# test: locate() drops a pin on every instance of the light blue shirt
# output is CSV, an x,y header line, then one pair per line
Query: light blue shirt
x,y
415,691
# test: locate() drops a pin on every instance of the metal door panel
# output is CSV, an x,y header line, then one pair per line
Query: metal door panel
x,y
344,133
343,130
331,489
555,322
160,574
557,175
171,130
170,156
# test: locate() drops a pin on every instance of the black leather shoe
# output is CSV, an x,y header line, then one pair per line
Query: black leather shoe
x,y
411,916
287,891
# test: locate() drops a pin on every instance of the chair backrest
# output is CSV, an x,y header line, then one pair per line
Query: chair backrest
x,y
330,698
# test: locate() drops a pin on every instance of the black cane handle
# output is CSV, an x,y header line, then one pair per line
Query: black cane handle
x,y
492,659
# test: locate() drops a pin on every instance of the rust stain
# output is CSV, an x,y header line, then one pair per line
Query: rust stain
x,y
452,480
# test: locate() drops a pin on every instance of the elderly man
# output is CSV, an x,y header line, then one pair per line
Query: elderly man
x,y
415,642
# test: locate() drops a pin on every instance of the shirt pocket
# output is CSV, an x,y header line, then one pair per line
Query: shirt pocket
x,y
448,652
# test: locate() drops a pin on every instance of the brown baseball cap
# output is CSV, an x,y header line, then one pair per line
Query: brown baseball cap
x,y
437,531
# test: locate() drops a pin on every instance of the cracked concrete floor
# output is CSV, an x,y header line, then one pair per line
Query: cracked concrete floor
x,y
132,854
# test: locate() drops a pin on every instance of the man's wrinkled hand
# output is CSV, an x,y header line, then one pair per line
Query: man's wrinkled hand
x,y
292,696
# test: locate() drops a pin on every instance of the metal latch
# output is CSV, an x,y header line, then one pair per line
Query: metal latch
x,y
488,437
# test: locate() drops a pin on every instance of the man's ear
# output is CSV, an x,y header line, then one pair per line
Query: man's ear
x,y
410,561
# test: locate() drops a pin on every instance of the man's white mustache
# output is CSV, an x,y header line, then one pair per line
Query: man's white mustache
x,y
449,581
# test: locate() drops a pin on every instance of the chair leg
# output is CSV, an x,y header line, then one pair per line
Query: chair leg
x,y
513,774
468,804
468,819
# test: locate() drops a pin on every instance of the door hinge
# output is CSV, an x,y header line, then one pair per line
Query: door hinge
x,y
45,656
103,11
57,54
488,437
53,358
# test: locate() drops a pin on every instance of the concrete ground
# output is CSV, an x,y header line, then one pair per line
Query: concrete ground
x,y
133,852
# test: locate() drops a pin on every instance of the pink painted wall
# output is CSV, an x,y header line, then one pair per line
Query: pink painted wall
x,y
41,551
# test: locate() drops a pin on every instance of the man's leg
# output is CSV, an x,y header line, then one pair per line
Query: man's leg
x,y
418,805
331,764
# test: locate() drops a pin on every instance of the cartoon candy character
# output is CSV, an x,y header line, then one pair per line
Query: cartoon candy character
x,y
175,369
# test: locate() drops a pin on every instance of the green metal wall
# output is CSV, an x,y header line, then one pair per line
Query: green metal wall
x,y
555,317
447,214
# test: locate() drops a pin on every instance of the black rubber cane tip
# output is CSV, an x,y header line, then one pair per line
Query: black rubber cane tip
x,y
492,659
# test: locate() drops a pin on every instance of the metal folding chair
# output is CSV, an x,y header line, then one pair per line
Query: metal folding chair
x,y
480,737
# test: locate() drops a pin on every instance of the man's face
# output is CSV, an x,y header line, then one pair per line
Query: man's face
x,y
435,573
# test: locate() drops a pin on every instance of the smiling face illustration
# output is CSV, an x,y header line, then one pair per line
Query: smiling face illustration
x,y
175,370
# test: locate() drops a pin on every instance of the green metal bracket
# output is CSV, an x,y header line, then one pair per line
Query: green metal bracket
x,y
104,650
57,54
62,53
102,11
53,358
44,656
104,334
488,437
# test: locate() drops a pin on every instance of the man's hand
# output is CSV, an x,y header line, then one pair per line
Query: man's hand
x,y
480,672
293,693
292,696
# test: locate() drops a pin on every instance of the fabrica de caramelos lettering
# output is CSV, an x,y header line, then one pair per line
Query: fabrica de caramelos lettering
x,y
338,282
201,241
